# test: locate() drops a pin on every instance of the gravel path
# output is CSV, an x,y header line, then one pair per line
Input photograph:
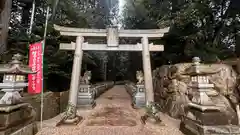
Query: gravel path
x,y
113,115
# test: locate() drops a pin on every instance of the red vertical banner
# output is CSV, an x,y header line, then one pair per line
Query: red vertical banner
x,y
35,63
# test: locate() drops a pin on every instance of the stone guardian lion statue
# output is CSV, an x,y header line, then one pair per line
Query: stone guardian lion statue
x,y
86,78
140,77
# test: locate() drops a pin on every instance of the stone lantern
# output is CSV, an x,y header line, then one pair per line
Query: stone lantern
x,y
202,116
13,80
14,114
201,87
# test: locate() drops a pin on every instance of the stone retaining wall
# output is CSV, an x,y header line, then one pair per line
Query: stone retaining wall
x,y
54,103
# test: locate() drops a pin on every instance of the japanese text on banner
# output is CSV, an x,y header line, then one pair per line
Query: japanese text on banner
x,y
35,63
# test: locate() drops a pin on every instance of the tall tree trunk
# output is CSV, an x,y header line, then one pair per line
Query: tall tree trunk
x,y
110,66
132,67
4,23
26,14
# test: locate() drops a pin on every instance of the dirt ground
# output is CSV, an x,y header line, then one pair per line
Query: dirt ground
x,y
113,115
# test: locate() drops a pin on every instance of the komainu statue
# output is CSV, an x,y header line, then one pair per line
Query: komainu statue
x,y
173,93
140,77
86,78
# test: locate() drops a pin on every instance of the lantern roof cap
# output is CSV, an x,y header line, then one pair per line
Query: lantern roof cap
x,y
200,69
16,66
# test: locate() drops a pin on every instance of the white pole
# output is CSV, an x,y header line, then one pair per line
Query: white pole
x,y
238,113
32,16
43,46
147,71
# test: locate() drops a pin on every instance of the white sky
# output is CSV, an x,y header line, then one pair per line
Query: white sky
x,y
121,5
120,10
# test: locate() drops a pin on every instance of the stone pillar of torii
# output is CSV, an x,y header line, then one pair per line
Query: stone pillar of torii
x,y
112,36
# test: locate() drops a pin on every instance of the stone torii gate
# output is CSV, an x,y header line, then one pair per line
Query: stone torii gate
x,y
112,35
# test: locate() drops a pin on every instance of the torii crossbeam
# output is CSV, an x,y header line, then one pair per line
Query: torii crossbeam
x,y
112,36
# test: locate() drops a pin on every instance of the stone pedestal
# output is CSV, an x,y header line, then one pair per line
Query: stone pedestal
x,y
15,117
30,129
208,122
86,97
139,97
24,129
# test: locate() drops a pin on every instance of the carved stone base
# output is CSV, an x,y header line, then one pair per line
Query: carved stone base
x,y
137,106
12,119
193,128
156,121
10,98
139,100
86,100
10,108
23,129
211,122
66,121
